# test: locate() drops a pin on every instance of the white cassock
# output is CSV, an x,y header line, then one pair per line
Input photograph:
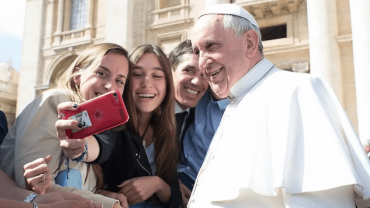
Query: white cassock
x,y
284,141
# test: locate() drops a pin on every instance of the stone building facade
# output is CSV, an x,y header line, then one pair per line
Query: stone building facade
x,y
325,38
8,90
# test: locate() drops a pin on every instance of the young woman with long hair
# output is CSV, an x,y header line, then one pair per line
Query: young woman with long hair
x,y
142,167
97,70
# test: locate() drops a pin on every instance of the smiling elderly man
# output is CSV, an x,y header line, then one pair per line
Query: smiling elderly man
x,y
284,140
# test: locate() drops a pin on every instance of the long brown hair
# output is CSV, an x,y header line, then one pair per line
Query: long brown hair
x,y
163,119
87,61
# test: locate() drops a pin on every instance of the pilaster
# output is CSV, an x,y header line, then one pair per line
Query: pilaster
x,y
360,22
31,49
324,49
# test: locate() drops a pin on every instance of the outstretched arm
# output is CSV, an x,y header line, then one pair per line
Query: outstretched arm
x,y
73,148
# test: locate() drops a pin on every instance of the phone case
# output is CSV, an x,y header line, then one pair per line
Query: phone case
x,y
98,114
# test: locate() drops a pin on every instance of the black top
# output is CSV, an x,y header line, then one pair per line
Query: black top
x,y
129,160
181,134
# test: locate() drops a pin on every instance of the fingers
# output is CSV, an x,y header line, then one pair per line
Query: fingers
x,y
135,200
185,190
48,159
62,125
37,185
122,200
37,162
125,183
37,175
73,148
32,172
70,106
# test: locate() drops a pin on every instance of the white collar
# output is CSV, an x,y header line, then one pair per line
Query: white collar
x,y
244,84
178,109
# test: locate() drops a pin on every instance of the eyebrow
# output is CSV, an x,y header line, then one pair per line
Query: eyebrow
x,y
106,69
155,68
189,67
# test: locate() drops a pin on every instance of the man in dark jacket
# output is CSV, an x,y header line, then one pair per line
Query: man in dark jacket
x,y
3,126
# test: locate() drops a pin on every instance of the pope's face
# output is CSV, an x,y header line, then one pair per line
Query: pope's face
x,y
222,55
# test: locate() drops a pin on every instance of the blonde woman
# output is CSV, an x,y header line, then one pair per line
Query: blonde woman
x,y
99,69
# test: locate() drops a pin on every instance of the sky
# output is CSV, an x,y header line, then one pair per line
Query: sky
x,y
12,13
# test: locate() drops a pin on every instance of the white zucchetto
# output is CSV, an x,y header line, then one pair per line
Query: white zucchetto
x,y
231,9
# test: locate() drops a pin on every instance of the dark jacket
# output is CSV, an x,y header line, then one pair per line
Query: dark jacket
x,y
3,126
129,160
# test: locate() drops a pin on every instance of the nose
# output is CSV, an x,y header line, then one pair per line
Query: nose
x,y
108,85
146,82
204,63
196,80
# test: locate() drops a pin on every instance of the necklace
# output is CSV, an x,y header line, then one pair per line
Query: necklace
x,y
145,131
144,134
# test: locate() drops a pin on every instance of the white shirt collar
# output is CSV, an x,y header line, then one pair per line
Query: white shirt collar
x,y
244,84
178,108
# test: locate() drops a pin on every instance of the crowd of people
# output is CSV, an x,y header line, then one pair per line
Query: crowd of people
x,y
214,124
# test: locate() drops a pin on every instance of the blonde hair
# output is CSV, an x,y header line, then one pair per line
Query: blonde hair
x,y
87,61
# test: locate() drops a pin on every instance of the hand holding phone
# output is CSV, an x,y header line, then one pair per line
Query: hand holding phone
x,y
96,115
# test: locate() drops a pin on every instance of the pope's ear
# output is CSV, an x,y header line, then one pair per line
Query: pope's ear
x,y
76,79
252,40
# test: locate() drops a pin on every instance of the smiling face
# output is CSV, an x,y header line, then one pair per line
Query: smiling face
x,y
222,55
189,82
148,83
111,74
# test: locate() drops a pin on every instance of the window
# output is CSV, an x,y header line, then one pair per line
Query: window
x,y
78,14
274,32
169,3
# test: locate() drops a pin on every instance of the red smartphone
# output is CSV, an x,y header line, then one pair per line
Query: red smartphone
x,y
98,114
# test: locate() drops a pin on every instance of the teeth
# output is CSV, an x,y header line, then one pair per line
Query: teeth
x,y
98,94
215,72
192,91
146,95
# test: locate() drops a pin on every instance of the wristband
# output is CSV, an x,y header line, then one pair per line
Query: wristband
x,y
82,156
35,205
30,197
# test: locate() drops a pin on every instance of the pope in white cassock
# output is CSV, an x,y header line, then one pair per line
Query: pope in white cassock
x,y
284,139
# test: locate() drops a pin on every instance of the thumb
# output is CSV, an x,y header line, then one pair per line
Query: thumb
x,y
124,183
47,159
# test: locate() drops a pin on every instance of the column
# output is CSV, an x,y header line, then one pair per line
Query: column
x,y
59,30
210,3
31,50
360,21
119,28
89,18
324,50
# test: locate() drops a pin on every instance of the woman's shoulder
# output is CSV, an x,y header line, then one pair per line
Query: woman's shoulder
x,y
53,93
